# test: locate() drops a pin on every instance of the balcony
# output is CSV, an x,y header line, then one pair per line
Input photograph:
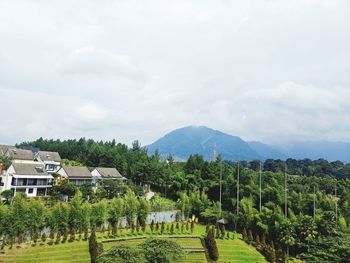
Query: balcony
x,y
22,182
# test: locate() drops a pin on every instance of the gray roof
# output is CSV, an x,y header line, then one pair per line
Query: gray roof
x,y
109,172
20,154
77,171
49,156
3,149
29,169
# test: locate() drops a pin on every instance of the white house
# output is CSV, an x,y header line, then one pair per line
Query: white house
x,y
19,155
76,174
100,173
52,160
29,178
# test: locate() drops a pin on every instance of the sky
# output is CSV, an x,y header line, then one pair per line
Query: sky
x,y
268,70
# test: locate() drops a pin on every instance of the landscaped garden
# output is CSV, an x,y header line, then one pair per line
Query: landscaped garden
x,y
231,249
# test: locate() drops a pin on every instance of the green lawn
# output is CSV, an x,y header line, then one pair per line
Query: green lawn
x,y
230,250
237,251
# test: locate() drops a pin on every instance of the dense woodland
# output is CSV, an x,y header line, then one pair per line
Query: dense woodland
x,y
312,225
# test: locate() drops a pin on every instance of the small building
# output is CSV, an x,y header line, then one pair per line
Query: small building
x,y
78,175
52,160
19,155
29,178
101,173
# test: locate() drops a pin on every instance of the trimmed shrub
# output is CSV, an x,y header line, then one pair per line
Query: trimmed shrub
x,y
211,245
93,246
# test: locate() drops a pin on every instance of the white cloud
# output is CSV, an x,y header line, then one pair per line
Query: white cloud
x,y
90,112
267,70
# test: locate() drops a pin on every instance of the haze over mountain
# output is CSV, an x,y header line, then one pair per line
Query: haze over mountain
x,y
183,142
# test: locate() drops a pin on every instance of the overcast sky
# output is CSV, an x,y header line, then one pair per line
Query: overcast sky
x,y
269,70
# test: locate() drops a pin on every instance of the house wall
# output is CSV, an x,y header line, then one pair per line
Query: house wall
x,y
22,161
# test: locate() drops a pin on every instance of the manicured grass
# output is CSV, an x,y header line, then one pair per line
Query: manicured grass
x,y
237,251
230,250
68,252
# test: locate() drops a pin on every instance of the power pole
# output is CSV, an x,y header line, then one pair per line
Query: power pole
x,y
336,207
314,202
220,186
260,188
238,189
285,192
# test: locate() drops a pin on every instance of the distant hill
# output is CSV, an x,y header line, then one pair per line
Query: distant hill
x,y
267,151
181,143
331,151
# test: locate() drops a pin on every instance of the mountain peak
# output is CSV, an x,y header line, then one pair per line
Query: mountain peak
x,y
183,142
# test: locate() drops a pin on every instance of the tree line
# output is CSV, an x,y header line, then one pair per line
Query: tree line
x,y
305,205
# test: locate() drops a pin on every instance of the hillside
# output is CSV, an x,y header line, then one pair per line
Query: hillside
x,y
183,142
267,151
199,139
331,151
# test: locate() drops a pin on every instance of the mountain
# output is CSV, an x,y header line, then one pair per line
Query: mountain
x,y
267,151
181,143
330,151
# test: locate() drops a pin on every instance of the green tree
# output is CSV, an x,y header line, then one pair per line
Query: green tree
x,y
142,211
115,212
35,218
162,251
121,254
131,206
287,235
211,245
99,213
93,250
7,194
184,204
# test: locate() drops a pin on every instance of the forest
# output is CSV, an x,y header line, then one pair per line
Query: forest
x,y
293,208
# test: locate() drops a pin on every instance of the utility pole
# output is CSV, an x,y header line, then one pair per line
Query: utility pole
x,y
220,185
260,188
238,189
285,192
314,202
336,207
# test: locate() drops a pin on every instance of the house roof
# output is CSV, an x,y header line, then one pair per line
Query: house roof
x,y
77,171
29,168
109,172
4,148
49,156
20,154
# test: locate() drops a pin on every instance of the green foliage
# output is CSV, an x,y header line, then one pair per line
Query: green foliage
x,y
93,250
185,205
115,212
67,188
142,211
162,251
99,213
159,203
130,206
121,254
7,194
5,161
211,245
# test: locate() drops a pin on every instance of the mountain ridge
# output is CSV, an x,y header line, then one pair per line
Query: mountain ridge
x,y
183,142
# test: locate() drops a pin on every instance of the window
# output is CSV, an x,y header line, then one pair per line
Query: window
x,y
50,167
31,182
42,181
30,191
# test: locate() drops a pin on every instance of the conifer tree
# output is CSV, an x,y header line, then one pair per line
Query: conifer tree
x,y
211,245
93,246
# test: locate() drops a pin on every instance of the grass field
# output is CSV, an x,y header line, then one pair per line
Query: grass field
x,y
232,250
